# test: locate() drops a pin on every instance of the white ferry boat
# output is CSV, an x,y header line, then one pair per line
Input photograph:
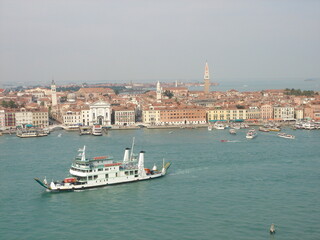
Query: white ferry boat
x,y
97,130
103,171
27,133
251,134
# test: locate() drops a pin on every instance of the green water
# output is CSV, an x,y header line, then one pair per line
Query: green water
x,y
214,190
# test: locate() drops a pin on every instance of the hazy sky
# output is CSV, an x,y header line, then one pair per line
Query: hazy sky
x,y
146,40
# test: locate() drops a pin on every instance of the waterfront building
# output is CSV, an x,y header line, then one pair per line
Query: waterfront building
x,y
226,114
312,111
151,115
10,118
298,113
206,79
23,117
72,117
180,115
253,113
2,119
100,113
40,118
54,94
85,115
159,92
283,113
266,112
124,116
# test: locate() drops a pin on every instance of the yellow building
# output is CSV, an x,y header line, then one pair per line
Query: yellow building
x,y
40,118
226,114
151,116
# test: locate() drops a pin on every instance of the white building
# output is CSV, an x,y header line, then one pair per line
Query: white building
x,y
2,119
100,113
71,118
283,113
24,117
85,117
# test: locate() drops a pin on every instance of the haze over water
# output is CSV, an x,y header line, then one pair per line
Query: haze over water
x,y
214,190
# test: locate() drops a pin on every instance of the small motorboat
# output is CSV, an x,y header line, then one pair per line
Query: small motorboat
x,y
232,131
272,229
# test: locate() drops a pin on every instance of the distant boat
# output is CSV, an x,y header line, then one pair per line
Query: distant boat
x,y
85,130
251,134
272,229
232,131
287,136
59,135
275,129
262,129
97,130
219,126
210,128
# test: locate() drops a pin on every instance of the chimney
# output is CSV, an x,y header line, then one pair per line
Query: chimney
x,y
126,155
141,161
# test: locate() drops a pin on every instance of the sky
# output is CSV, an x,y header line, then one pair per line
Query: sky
x,y
149,40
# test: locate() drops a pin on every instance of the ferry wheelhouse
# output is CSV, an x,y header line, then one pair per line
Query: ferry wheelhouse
x,y
103,171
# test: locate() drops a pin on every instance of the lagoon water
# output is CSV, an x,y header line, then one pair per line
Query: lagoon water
x,y
214,190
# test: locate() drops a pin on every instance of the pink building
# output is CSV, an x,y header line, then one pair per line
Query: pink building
x,y
266,112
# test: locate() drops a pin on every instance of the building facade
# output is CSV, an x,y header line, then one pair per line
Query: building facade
x,y
266,112
283,113
124,116
100,113
40,118
23,118
182,115
229,114
151,116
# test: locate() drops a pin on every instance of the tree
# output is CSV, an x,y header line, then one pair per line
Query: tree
x,y
168,94
12,104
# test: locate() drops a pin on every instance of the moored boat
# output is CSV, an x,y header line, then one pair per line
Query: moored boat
x,y
30,132
103,171
85,130
97,130
274,129
263,129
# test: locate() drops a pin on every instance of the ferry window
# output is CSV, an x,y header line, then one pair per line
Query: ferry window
x,y
95,176
107,169
131,172
90,178
136,172
107,175
116,174
126,172
100,169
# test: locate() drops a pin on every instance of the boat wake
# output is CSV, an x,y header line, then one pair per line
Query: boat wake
x,y
188,171
230,141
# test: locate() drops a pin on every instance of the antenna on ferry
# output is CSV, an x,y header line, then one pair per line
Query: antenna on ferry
x,y
131,155
83,155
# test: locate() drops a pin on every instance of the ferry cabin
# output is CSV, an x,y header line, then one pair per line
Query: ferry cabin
x,y
102,171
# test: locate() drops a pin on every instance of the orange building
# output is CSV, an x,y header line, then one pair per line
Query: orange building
x,y
183,115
